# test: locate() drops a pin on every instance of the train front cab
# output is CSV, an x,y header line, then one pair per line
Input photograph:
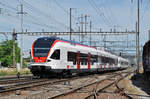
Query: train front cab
x,y
41,60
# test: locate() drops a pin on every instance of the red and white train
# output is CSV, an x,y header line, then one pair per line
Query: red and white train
x,y
54,55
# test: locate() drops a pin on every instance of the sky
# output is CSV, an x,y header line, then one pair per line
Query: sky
x,y
53,15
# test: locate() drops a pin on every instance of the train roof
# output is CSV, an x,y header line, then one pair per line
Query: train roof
x,y
47,38
101,51
57,38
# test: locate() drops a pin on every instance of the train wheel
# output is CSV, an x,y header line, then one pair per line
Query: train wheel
x,y
35,74
66,73
69,74
41,76
60,75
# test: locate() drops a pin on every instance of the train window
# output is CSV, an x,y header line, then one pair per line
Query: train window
x,y
56,54
74,62
85,61
83,58
82,63
94,58
40,52
107,60
72,56
111,61
103,59
42,46
92,63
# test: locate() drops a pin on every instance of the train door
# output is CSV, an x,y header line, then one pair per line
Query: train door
x,y
104,64
78,60
89,59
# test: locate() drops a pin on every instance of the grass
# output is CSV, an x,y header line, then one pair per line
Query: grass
x,y
13,71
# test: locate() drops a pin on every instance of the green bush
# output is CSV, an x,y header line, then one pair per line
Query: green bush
x,y
6,54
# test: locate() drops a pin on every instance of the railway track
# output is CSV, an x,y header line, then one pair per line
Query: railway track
x,y
97,91
29,84
22,83
14,77
26,83
38,83
16,80
91,90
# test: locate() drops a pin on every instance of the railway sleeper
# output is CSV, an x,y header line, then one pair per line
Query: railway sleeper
x,y
121,91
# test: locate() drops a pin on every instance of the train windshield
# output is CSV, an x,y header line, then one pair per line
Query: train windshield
x,y
42,47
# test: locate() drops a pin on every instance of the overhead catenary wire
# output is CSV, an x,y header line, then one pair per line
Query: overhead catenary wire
x,y
8,6
30,20
92,5
98,11
66,11
9,11
34,9
145,10
60,6
36,19
113,15
107,13
131,13
44,14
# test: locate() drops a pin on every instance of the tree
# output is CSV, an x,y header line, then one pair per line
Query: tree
x,y
6,53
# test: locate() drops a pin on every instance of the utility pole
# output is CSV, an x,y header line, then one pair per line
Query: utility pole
x,y
14,37
79,32
85,22
86,16
78,26
138,38
21,40
82,36
70,23
81,23
136,28
104,40
90,32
